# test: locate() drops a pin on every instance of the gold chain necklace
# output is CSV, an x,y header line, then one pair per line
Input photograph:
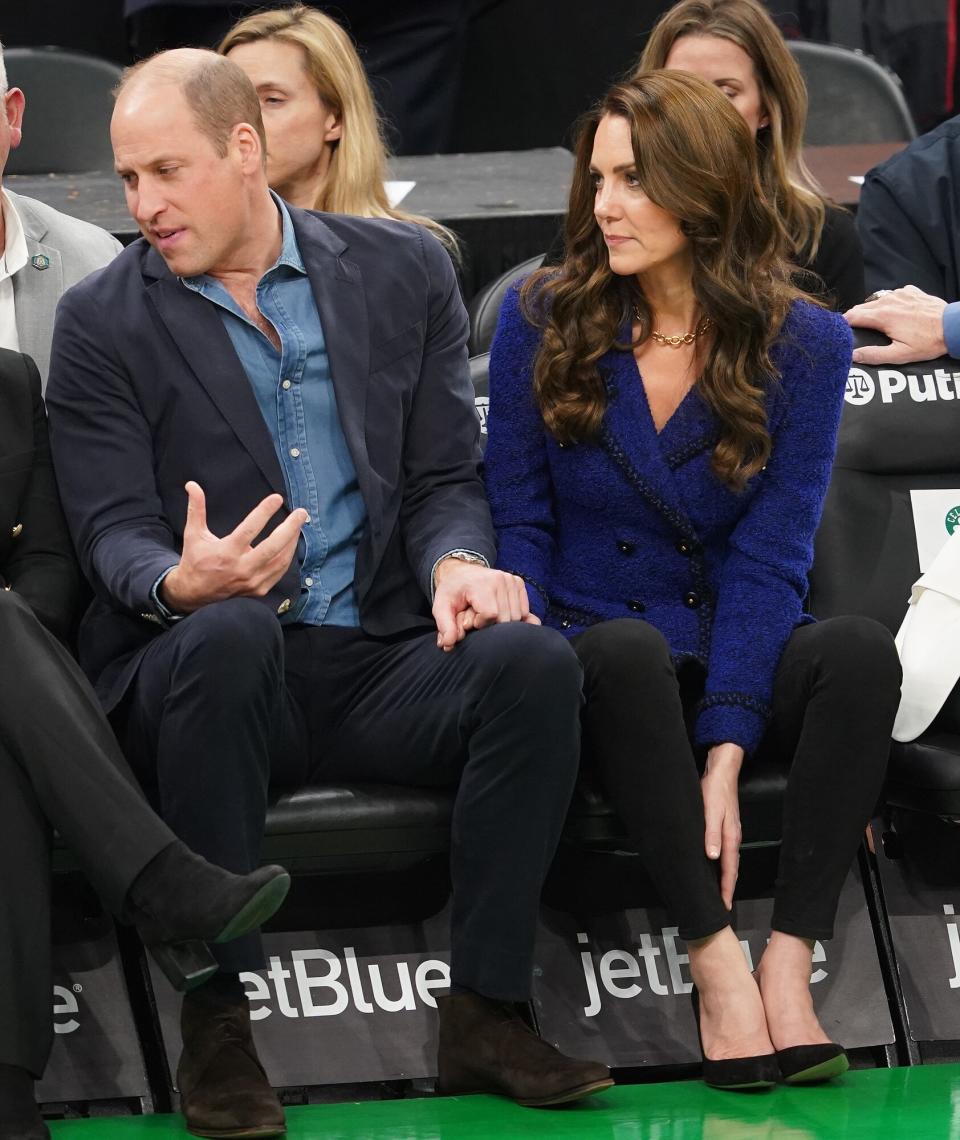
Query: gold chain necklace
x,y
679,338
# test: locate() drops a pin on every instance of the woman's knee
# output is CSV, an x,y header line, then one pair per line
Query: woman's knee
x,y
859,649
624,643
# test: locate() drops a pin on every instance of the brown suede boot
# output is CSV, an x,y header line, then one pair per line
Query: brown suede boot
x,y
485,1046
224,1091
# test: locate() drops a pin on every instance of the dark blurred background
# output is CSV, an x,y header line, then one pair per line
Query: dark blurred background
x,y
514,74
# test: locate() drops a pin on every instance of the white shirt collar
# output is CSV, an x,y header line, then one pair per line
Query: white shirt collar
x,y
15,247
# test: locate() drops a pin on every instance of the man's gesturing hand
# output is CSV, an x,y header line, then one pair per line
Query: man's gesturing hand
x,y
212,569
469,596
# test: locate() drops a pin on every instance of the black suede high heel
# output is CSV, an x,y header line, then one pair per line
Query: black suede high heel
x,y
736,1073
810,1064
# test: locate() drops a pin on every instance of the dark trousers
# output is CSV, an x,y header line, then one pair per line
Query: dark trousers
x,y
228,701
60,768
835,696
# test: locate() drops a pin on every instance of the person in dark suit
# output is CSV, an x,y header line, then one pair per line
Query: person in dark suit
x,y
60,767
249,370
662,423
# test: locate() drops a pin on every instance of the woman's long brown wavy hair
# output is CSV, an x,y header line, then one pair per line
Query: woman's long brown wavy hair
x,y
786,180
695,159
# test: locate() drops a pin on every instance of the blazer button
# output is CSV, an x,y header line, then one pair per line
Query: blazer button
x,y
17,531
284,606
691,599
626,547
635,606
684,547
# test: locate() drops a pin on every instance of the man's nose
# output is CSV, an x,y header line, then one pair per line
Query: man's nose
x,y
146,202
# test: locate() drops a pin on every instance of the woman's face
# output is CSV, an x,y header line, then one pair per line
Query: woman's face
x,y
727,66
301,129
640,236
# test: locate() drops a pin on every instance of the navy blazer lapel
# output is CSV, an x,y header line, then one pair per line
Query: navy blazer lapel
x,y
198,331
342,304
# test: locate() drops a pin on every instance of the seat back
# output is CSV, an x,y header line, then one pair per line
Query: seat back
x,y
900,431
484,308
853,99
66,127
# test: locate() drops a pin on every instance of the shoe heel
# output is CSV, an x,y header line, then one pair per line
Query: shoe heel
x,y
736,1073
186,965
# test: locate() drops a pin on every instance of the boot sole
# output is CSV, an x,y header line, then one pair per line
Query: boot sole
x,y
835,1067
567,1096
266,902
238,1133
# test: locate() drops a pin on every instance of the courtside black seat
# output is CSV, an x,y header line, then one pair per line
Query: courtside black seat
x,y
69,105
899,432
484,308
853,99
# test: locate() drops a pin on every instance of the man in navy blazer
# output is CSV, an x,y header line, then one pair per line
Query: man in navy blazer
x,y
264,433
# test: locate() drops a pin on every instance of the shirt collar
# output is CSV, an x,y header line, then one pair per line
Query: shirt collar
x,y
15,248
289,252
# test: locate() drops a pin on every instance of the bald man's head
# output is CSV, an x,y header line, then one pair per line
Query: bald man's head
x,y
216,90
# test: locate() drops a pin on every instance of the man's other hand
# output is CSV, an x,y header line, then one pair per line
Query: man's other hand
x,y
212,569
469,596
912,319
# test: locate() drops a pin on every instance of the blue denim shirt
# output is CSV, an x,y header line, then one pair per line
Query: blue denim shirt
x,y
295,392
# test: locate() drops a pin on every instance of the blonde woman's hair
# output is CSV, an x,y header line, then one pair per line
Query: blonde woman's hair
x,y
786,180
358,165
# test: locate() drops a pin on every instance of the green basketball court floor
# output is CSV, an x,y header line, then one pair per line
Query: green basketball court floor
x,y
921,1103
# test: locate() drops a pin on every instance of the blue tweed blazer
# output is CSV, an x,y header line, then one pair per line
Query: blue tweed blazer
x,y
637,525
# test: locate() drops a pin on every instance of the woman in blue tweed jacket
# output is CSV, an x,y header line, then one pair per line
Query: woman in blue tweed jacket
x,y
663,417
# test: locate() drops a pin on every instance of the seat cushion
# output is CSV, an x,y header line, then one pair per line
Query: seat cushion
x,y
924,774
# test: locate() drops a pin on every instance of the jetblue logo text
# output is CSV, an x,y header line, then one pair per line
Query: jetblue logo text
x,y
320,984
657,961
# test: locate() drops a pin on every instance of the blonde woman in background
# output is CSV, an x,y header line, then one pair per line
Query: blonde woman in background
x,y
735,45
325,148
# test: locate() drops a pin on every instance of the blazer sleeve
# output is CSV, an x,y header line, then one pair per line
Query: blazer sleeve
x,y
444,507
103,449
516,465
42,568
763,581
895,250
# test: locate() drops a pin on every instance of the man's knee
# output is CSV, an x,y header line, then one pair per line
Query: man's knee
x,y
231,640
539,658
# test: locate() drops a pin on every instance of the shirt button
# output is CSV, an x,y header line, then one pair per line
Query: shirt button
x,y
626,547
295,452
286,383
691,599
308,581
284,606
635,606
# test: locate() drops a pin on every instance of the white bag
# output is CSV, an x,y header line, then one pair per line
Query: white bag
x,y
928,642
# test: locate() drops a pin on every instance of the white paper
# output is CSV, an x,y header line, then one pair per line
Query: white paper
x,y
936,514
858,178
397,191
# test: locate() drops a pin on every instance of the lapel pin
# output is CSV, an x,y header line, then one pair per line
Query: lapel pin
x,y
40,261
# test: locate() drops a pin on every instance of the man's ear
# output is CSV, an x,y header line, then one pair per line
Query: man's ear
x,y
249,147
13,104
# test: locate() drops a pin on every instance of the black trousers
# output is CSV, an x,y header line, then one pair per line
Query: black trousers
x,y
228,701
835,696
60,768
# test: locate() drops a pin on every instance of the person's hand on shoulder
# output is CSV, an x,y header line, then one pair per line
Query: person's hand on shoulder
x,y
912,319
470,596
